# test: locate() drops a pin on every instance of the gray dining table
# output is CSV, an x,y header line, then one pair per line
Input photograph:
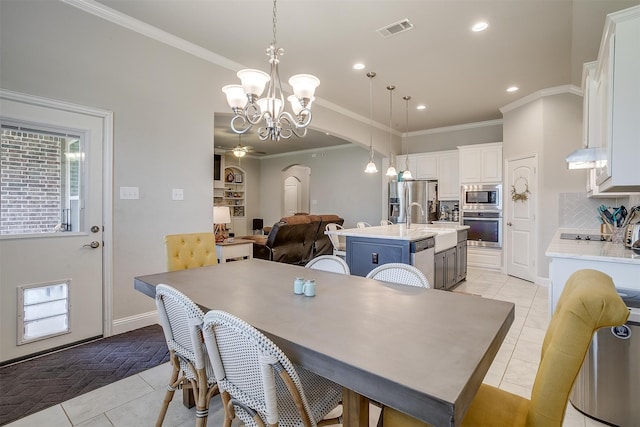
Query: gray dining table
x,y
421,351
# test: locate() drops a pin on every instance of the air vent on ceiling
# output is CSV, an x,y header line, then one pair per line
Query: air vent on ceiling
x,y
395,28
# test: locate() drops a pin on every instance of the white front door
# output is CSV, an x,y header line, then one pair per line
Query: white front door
x,y
51,224
520,201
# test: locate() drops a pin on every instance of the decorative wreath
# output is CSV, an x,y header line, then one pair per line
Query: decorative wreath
x,y
520,195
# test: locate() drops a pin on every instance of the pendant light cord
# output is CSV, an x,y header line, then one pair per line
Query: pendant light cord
x,y
407,98
371,75
391,89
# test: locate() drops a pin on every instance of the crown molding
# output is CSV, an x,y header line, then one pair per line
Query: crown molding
x,y
101,11
463,126
126,21
557,90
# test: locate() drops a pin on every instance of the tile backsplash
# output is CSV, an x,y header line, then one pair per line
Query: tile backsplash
x,y
576,210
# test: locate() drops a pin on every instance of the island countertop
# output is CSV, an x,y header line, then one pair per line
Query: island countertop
x,y
590,250
400,231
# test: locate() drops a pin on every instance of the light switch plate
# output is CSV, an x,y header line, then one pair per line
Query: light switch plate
x,y
177,194
130,193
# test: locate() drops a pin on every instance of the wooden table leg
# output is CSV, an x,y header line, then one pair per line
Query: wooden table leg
x,y
355,409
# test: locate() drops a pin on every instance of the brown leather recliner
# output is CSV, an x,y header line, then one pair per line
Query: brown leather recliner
x,y
323,244
291,239
295,239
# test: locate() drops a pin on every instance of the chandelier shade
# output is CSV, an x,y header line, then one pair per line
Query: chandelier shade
x,y
253,81
236,97
276,123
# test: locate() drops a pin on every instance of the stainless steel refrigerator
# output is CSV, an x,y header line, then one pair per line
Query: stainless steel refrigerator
x,y
420,196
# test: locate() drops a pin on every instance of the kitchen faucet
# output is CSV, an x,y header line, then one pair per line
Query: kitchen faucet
x,y
409,212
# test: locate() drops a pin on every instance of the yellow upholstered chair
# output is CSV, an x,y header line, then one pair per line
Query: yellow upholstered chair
x,y
190,250
588,302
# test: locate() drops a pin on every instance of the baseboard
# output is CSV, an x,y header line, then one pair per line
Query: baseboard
x,y
138,321
543,281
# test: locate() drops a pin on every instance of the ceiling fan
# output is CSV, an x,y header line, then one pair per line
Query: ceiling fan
x,y
240,150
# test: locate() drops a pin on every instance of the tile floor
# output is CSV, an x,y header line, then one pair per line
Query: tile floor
x,y
135,401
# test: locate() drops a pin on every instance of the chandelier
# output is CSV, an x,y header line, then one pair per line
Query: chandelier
x,y
250,108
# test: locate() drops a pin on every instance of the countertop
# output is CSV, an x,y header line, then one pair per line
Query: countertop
x,y
590,250
400,231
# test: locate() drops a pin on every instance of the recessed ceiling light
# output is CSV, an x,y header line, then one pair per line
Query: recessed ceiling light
x,y
358,66
512,89
480,26
421,107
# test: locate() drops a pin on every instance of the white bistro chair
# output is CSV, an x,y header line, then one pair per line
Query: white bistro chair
x,y
362,224
258,382
331,263
385,222
181,320
402,274
339,242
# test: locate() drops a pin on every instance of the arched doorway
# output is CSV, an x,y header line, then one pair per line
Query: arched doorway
x,y
295,189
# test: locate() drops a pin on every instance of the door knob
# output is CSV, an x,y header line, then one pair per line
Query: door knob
x,y
92,245
509,224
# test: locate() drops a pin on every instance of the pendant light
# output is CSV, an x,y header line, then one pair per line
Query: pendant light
x,y
371,166
391,171
406,175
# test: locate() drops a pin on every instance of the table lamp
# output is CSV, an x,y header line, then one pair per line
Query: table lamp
x,y
221,217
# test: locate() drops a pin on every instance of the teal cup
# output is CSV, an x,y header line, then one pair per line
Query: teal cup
x,y
298,285
309,288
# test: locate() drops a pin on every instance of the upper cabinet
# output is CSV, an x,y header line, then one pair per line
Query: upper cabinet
x,y
448,181
426,166
439,165
481,163
612,89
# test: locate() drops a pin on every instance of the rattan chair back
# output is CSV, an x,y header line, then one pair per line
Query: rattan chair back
x,y
331,263
258,383
403,274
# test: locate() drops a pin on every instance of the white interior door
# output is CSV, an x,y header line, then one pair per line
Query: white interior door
x,y
291,196
51,275
520,202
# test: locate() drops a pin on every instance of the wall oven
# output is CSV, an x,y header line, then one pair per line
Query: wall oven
x,y
485,228
481,197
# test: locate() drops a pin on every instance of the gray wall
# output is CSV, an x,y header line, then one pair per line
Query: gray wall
x,y
551,127
449,138
338,184
163,101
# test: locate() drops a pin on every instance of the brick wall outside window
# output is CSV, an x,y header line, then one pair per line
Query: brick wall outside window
x,y
30,182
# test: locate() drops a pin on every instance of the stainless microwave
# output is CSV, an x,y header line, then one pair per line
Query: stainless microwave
x,y
481,197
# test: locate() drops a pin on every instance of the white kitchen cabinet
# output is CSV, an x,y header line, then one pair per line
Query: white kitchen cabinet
x,y
481,163
448,179
426,166
614,124
593,191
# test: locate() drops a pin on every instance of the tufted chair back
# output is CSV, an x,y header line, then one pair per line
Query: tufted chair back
x,y
190,250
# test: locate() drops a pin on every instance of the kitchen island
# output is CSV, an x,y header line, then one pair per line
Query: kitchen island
x,y
438,251
568,256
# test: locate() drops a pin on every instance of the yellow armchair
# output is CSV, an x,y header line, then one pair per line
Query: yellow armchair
x,y
588,302
190,250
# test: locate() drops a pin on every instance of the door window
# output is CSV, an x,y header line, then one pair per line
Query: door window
x,y
41,181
